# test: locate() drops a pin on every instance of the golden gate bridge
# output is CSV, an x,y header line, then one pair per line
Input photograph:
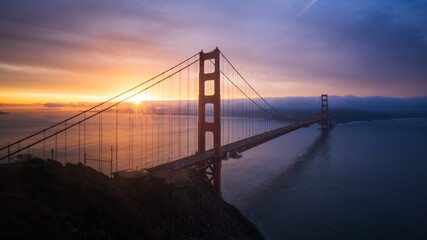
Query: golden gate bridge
x,y
195,114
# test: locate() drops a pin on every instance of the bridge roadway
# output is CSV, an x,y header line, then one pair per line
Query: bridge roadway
x,y
238,146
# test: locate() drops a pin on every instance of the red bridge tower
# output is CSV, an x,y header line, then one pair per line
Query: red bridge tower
x,y
325,114
212,170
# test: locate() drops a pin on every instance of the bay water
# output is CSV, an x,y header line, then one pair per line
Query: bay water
x,y
361,180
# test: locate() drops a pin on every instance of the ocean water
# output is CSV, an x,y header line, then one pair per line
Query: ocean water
x,y
363,180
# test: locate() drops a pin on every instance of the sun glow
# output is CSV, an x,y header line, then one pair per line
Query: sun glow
x,y
139,98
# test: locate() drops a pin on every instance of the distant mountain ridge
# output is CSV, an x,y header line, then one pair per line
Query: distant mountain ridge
x,y
378,104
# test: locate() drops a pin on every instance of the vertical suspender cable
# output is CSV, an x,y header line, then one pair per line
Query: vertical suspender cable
x,y
84,136
117,136
132,120
56,147
158,124
163,121
228,106
179,114
162,127
140,131
44,144
100,141
234,119
145,112
79,142
188,110
154,127
223,99
129,156
170,118
8,153
65,144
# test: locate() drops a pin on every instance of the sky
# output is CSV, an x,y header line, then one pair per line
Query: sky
x,y
88,50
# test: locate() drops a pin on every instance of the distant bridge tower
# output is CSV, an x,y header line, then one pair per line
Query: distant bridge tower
x,y
325,113
212,170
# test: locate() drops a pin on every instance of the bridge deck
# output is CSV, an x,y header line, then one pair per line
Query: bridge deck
x,y
239,146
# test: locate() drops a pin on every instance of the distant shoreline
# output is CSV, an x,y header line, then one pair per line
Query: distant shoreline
x,y
377,120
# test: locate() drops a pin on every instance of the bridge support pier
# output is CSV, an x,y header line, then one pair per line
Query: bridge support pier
x,y
212,171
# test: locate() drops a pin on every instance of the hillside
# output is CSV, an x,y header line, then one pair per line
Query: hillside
x,y
45,200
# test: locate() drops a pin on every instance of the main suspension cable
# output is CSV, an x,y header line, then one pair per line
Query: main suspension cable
x,y
251,86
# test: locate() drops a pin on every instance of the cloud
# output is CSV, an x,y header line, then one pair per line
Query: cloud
x,y
54,105
49,105
360,47
72,105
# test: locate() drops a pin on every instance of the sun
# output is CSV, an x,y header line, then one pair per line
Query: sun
x,y
139,98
